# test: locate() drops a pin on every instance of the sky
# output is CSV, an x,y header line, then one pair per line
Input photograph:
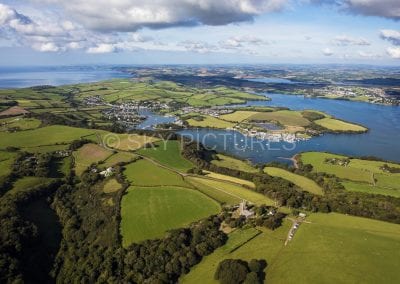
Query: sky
x,y
60,32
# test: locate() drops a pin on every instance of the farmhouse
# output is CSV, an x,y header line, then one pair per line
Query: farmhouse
x,y
108,172
243,210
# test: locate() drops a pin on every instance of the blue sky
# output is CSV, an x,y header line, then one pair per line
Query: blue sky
x,y
54,32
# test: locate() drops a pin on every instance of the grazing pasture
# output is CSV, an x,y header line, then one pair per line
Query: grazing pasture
x,y
304,183
19,123
168,153
120,157
372,189
111,185
149,212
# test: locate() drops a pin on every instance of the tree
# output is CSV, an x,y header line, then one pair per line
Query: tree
x,y
231,271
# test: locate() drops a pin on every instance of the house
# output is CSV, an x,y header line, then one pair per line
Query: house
x,y
108,172
302,215
243,210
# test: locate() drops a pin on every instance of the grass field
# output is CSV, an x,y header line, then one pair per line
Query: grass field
x,y
338,125
26,183
111,185
243,244
211,122
373,189
49,135
230,179
149,212
219,196
19,123
284,117
127,142
238,116
168,153
6,161
120,157
146,173
337,248
89,154
232,163
236,191
302,182
357,170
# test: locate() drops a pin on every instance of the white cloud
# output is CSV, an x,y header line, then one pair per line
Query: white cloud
x,y
123,15
327,52
394,52
391,35
46,47
240,41
198,46
368,55
102,48
345,40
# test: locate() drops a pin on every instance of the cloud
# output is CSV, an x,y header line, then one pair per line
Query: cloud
x,y
46,47
391,35
380,8
198,46
393,52
344,40
241,41
102,48
368,55
327,52
123,15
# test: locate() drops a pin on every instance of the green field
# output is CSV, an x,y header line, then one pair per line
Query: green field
x,y
372,189
338,125
149,212
243,244
365,175
49,135
120,157
236,191
146,173
168,153
26,183
337,248
89,154
302,182
6,161
19,123
232,163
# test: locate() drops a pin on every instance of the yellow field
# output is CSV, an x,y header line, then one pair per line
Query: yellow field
x,y
89,154
238,116
211,122
284,117
235,190
127,142
230,179
302,182
232,163
338,125
112,185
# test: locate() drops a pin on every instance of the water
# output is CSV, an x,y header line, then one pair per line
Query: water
x,y
23,77
152,120
272,80
381,141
